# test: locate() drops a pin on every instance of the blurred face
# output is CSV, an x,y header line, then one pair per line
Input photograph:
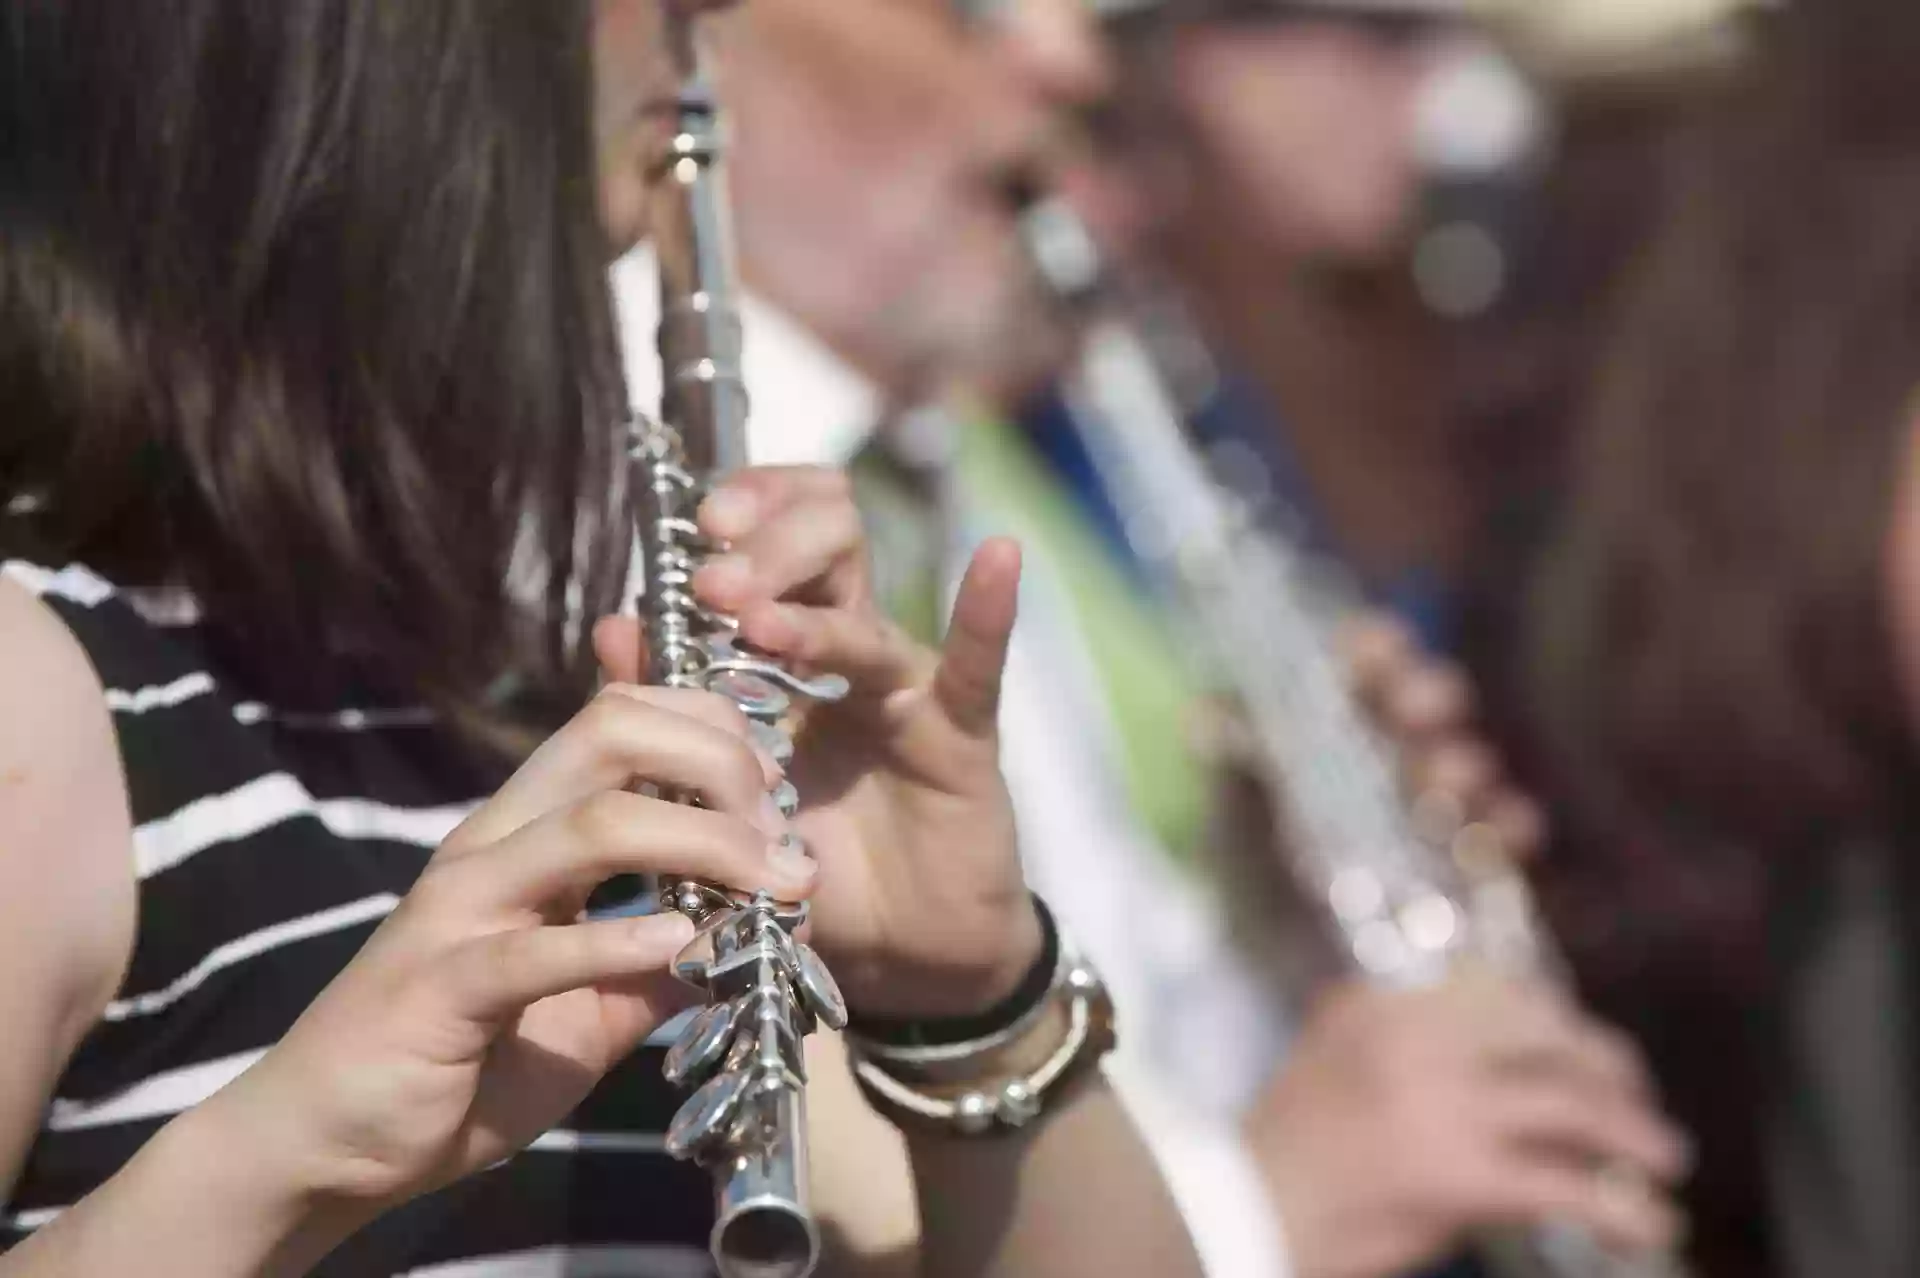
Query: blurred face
x,y
867,140
1309,129
1051,50
633,111
869,135
1055,55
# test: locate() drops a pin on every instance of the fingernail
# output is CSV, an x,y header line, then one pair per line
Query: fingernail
x,y
790,859
729,513
772,822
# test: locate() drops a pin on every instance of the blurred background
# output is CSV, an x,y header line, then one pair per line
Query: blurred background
x,y
1419,389
1468,659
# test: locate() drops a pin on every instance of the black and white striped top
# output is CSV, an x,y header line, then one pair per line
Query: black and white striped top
x,y
268,846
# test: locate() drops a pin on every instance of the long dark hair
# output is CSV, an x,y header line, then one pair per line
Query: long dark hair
x,y
1709,637
1706,684
303,307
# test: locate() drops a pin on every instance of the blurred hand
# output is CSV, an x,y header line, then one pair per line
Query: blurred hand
x,y
1425,706
1403,1121
921,907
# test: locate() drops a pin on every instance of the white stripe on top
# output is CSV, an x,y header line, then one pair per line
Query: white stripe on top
x,y
160,696
175,1091
267,939
167,607
73,583
164,606
562,1140
660,1260
160,1095
349,720
28,1221
272,799
172,607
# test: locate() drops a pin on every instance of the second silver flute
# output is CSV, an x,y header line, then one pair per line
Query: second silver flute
x,y
1406,901
766,991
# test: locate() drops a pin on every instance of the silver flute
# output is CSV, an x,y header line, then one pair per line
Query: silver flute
x,y
1411,891
744,1052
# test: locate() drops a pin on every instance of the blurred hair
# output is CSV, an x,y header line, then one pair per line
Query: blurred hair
x,y
1699,670
303,306
1709,648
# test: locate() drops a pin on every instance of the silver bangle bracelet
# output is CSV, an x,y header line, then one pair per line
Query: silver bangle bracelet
x,y
1004,1104
920,1055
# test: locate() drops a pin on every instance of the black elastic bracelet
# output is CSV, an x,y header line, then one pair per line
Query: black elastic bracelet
x,y
1008,1012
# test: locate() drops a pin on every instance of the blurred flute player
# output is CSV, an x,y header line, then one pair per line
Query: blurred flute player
x,y
306,354
1298,256
1500,1079
1295,241
1346,356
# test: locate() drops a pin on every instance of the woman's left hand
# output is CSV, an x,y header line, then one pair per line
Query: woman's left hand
x,y
921,908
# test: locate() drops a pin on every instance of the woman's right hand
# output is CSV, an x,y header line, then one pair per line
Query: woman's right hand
x,y
485,1009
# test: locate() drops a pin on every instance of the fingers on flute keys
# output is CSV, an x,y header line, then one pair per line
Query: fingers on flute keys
x,y
566,820
1427,708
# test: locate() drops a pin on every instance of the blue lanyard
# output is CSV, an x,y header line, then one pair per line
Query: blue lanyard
x,y
1239,414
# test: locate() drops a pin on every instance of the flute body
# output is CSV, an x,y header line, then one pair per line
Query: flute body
x,y
1409,894
744,1052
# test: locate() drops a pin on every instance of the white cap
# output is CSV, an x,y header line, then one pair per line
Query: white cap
x,y
1589,39
1559,39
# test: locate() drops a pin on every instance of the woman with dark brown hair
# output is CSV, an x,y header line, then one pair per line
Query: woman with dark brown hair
x,y
310,427
1719,661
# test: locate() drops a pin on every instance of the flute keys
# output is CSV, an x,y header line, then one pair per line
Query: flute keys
x,y
773,739
694,964
708,1114
818,988
757,697
775,1043
786,798
727,663
702,1046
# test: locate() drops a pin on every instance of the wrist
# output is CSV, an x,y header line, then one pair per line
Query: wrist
x,y
207,1195
997,1071
262,1165
1032,944
990,1002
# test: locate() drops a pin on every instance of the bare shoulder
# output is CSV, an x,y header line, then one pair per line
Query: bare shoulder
x,y
67,888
